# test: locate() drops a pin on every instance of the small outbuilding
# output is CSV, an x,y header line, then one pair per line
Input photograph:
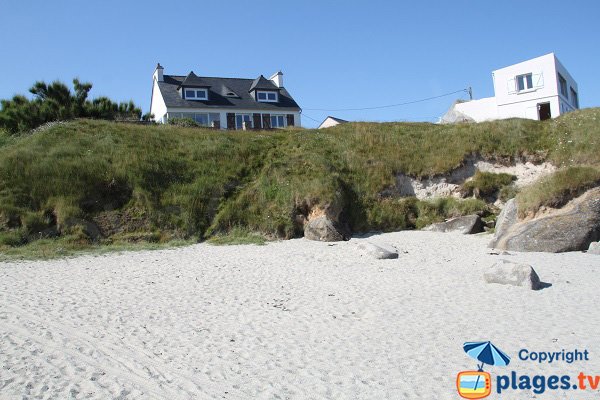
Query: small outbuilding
x,y
331,121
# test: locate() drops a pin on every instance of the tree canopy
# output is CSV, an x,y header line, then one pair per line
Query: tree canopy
x,y
56,102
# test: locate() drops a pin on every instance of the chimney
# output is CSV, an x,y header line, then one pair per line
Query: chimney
x,y
158,73
277,79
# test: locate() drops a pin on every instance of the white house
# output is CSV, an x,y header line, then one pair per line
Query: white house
x,y
540,88
225,103
331,121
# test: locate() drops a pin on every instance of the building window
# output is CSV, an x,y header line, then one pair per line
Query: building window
x,y
574,98
524,82
277,121
266,96
196,94
204,119
562,82
241,118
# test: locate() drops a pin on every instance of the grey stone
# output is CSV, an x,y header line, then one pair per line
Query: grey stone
x,y
323,229
571,228
377,251
594,248
467,225
506,272
507,218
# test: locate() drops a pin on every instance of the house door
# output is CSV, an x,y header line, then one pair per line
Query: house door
x,y
544,111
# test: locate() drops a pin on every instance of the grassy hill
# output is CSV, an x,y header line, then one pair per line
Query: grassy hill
x,y
157,184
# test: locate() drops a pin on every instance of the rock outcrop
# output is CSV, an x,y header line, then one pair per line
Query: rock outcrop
x,y
571,228
468,224
377,251
509,273
323,229
594,248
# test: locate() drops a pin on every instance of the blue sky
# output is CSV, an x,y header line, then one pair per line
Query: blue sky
x,y
334,54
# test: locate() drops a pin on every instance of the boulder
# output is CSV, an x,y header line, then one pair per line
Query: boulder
x,y
377,251
467,225
571,228
507,218
506,272
323,229
594,248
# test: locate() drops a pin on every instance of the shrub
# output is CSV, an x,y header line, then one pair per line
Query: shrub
x,y
392,214
447,207
184,122
485,184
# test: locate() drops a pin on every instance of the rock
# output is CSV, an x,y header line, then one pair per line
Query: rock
x,y
467,225
506,272
89,228
378,251
323,229
571,228
594,248
507,218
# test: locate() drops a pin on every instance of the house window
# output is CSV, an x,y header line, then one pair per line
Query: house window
x,y
266,96
562,82
574,98
204,119
524,82
196,94
241,118
277,121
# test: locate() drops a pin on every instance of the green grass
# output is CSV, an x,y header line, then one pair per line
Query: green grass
x,y
485,184
69,246
557,189
184,183
237,236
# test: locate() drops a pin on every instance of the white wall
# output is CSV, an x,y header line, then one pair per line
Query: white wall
x,y
480,110
157,104
329,122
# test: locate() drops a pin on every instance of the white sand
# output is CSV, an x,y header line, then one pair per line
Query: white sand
x,y
294,319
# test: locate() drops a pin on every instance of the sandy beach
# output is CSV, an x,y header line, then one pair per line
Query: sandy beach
x,y
289,320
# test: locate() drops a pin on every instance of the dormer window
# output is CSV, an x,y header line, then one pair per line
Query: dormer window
x,y
263,96
195,94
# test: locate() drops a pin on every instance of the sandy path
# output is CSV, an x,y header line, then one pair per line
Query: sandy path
x,y
294,319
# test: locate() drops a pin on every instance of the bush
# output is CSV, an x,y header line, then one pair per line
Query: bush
x,y
184,122
392,214
13,238
557,189
485,184
441,209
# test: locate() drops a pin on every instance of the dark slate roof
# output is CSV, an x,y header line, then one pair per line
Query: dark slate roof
x,y
193,80
341,121
217,98
261,83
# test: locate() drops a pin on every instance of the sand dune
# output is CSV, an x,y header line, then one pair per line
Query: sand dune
x,y
289,320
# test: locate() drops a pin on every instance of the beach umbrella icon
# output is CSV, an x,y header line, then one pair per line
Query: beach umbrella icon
x,y
487,353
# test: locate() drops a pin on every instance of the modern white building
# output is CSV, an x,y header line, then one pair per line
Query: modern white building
x,y
223,103
540,88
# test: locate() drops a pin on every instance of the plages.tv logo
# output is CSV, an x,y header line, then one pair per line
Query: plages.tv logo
x,y
478,384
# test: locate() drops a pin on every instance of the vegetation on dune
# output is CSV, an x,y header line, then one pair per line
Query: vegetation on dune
x,y
56,102
484,184
557,189
162,183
